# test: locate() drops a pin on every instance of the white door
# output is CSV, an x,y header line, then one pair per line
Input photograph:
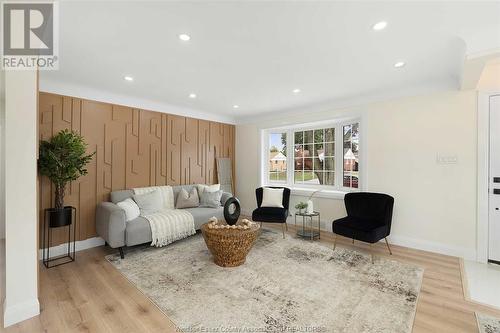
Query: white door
x,y
494,185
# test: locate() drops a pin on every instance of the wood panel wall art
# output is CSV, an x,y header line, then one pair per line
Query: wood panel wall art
x,y
133,148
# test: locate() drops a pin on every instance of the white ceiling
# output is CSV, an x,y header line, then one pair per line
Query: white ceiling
x,y
255,53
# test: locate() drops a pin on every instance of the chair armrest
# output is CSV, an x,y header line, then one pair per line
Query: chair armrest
x,y
111,224
224,197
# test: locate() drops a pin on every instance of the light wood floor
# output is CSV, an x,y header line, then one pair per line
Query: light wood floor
x,y
90,295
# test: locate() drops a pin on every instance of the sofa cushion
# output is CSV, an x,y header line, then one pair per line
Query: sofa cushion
x,y
187,200
210,199
149,203
117,196
202,214
207,188
177,188
166,193
131,209
225,196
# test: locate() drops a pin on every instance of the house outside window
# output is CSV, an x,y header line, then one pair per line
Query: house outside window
x,y
276,154
319,157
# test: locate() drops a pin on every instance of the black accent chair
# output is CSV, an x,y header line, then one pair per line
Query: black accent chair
x,y
272,214
369,217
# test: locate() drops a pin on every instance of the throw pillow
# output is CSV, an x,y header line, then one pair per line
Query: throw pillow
x,y
166,194
187,200
130,207
210,199
272,197
149,203
207,188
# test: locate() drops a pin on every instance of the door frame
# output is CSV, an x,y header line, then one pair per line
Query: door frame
x,y
483,166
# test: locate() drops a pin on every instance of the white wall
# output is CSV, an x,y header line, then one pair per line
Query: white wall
x,y
435,204
21,264
490,77
2,149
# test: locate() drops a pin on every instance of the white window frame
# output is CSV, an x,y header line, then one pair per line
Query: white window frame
x,y
339,152
266,159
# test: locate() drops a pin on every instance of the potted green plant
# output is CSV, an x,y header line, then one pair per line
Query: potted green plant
x,y
63,159
300,206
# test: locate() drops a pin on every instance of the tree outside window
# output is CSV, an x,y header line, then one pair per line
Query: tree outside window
x,y
314,155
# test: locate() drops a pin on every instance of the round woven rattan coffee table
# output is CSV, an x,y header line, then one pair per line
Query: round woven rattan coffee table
x,y
230,246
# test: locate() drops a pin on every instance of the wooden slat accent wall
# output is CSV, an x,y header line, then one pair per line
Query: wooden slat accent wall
x,y
134,148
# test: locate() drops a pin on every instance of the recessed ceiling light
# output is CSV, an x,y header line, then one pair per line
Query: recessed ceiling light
x,y
296,91
399,64
184,37
192,95
128,78
235,106
379,25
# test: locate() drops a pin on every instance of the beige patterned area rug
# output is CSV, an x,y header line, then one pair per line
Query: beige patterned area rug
x,y
487,324
286,285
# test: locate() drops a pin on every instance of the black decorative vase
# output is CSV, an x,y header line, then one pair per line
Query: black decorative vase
x,y
232,210
60,217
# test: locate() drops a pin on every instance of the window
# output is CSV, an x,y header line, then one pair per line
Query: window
x,y
351,155
277,158
319,157
314,155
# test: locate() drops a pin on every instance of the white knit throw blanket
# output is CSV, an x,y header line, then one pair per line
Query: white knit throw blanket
x,y
167,225
170,225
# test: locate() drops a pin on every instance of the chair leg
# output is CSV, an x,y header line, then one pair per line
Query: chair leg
x,y
353,240
261,225
286,226
371,251
334,241
283,229
388,247
122,254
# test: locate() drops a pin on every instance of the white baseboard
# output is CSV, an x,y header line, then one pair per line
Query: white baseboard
x,y
62,249
424,245
16,313
418,244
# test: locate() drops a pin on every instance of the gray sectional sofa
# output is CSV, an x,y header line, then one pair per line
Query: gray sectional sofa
x,y
112,226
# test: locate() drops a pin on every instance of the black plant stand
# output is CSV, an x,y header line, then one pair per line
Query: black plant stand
x,y
47,237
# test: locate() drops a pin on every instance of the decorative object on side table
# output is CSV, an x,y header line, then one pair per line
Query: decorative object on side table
x,y
310,205
309,232
301,206
232,210
229,244
62,159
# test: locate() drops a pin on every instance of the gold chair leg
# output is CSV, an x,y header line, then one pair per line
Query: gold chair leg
x,y
283,229
334,241
261,225
388,247
353,240
286,226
